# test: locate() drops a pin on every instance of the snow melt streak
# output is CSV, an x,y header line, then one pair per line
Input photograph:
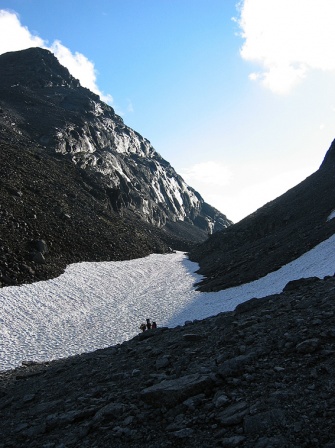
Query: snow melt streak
x,y
94,305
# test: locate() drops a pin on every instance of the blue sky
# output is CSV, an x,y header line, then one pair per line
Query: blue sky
x,y
239,99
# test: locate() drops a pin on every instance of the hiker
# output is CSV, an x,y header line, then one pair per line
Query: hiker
x,y
154,325
148,324
143,327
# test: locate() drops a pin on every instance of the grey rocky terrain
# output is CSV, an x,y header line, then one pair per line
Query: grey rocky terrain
x,y
259,377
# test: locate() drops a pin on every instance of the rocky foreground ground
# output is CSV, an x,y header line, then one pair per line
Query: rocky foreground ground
x,y
261,376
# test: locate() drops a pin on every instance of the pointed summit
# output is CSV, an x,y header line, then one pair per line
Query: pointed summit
x,y
329,160
34,68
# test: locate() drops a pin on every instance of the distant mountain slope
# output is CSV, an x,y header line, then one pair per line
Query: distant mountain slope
x,y
41,100
74,175
274,235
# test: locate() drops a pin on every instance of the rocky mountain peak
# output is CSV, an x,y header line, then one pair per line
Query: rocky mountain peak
x,y
329,160
74,175
44,102
36,68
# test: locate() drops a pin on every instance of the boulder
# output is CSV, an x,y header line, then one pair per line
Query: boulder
x,y
171,392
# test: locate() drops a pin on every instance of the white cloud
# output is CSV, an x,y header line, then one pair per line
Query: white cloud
x,y
14,36
240,189
80,67
130,107
288,39
213,174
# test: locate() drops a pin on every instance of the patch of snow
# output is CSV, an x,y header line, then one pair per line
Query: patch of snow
x,y
94,305
331,216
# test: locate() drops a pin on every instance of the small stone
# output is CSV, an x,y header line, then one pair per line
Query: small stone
x,y
275,418
38,258
20,427
27,398
170,392
192,337
221,400
233,414
128,420
41,246
308,346
231,442
163,362
183,433
242,349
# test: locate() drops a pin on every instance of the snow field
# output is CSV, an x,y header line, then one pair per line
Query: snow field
x,y
331,216
95,305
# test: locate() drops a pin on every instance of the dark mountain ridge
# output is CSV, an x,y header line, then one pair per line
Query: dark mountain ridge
x,y
274,235
75,177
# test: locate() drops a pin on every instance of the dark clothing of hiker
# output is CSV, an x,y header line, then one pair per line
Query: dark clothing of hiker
x,y
154,325
148,324
143,327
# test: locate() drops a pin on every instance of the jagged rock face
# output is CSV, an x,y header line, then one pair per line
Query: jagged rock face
x,y
40,100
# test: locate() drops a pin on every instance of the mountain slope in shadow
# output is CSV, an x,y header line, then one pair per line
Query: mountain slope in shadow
x,y
274,235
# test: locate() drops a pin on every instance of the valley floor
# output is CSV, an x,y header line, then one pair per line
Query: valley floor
x,y
96,305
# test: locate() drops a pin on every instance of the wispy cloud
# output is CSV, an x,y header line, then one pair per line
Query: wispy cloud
x,y
14,36
239,189
212,174
130,107
288,39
